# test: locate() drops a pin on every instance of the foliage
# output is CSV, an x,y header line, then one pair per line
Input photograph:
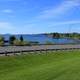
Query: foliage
x,y
48,42
21,38
64,35
25,43
12,39
17,42
56,35
1,41
21,43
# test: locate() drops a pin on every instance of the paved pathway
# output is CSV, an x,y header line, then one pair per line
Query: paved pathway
x,y
18,49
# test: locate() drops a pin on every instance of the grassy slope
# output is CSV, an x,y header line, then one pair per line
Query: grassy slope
x,y
57,66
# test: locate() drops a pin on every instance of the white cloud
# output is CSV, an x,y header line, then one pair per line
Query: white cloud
x,y
61,9
65,23
8,0
65,26
7,11
5,25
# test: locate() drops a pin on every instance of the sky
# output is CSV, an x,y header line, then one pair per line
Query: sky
x,y
39,16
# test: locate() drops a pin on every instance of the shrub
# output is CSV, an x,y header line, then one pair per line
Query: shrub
x,y
12,39
49,42
1,41
20,43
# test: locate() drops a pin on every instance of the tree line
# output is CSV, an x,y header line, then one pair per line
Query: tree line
x,y
64,35
14,41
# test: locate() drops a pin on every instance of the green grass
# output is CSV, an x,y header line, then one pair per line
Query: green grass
x,y
51,66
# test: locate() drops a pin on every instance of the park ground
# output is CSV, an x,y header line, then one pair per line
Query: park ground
x,y
61,65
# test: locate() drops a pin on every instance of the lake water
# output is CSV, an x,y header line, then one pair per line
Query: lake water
x,y
43,38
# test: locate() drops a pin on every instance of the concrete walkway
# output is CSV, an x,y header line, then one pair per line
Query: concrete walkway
x,y
19,49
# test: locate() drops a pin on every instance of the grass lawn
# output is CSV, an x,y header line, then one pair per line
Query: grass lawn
x,y
63,65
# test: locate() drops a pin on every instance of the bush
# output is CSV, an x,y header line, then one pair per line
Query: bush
x,y
20,43
17,42
49,43
26,43
12,39
1,41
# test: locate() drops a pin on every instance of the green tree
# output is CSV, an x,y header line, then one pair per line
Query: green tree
x,y
21,38
12,39
56,35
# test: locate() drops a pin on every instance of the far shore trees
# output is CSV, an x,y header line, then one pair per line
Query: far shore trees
x,y
20,41
64,35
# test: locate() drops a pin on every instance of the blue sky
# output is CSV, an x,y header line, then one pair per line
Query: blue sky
x,y
39,16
